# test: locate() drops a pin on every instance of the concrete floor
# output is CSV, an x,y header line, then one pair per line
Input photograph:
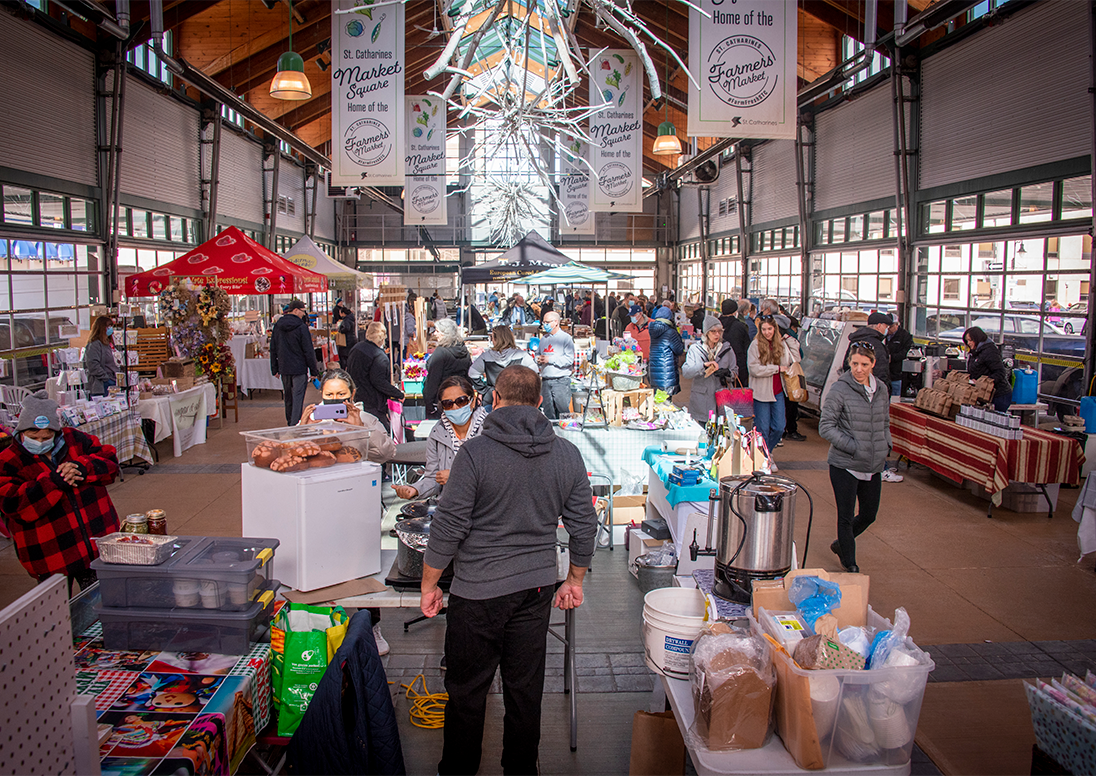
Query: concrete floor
x,y
994,600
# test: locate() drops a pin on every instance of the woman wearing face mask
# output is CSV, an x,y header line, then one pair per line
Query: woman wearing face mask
x,y
53,494
856,422
461,420
99,361
338,387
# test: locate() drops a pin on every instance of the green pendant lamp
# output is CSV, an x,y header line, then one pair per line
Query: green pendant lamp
x,y
290,82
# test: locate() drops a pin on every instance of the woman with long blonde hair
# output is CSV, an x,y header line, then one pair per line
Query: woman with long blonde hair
x,y
768,358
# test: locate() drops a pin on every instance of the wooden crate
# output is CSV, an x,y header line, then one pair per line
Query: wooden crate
x,y
642,399
153,348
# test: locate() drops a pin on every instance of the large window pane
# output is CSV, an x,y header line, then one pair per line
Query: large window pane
x,y
936,217
876,222
26,255
856,228
998,208
51,210
18,206
1072,252
159,226
1077,197
139,223
80,213
1036,203
964,213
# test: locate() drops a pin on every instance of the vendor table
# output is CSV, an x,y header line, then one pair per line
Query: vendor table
x,y
158,410
253,374
675,502
238,345
212,735
959,453
391,598
609,450
772,758
123,433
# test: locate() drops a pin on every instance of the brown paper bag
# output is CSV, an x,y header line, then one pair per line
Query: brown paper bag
x,y
795,717
657,745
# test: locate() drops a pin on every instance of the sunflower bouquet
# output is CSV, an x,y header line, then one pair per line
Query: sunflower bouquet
x,y
216,361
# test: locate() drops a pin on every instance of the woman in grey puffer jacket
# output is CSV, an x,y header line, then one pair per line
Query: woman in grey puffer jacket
x,y
856,422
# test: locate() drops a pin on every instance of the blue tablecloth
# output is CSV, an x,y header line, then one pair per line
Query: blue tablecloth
x,y
663,464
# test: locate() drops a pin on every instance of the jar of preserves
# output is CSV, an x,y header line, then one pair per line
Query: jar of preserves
x,y
157,522
137,524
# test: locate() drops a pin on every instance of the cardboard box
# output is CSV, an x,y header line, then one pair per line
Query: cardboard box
x,y
180,383
176,368
639,543
251,350
629,509
657,746
772,595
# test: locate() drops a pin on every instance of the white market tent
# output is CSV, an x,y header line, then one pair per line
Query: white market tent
x,y
305,253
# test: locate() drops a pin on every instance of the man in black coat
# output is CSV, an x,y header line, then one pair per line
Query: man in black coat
x,y
293,357
873,334
899,342
735,332
368,365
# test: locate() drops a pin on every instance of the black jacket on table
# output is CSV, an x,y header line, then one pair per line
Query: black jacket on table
x,y
737,335
868,335
291,348
898,346
985,360
368,365
443,362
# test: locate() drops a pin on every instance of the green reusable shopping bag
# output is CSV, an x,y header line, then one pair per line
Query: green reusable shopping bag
x,y
303,640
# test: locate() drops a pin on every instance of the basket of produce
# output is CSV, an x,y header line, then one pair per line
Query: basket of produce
x,y
135,549
624,371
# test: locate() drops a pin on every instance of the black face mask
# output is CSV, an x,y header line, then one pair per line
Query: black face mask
x,y
334,401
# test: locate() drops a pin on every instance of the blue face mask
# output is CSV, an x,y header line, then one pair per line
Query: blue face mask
x,y
110,331
35,447
635,319
548,325
460,415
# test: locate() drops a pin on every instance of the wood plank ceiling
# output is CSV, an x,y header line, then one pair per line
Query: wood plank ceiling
x,y
238,42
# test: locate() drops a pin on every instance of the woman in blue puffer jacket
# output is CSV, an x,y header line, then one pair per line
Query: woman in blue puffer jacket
x,y
666,346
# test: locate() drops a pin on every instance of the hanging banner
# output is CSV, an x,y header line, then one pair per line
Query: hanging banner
x,y
744,58
618,132
424,161
367,113
574,191
188,426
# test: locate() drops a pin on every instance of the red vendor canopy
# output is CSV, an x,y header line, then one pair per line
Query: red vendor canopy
x,y
235,263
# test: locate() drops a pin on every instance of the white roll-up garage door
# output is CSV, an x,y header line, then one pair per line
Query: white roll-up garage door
x,y
291,186
160,148
49,103
854,151
773,189
240,194
325,215
1014,95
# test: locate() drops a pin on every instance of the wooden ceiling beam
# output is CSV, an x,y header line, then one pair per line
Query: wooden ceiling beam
x,y
307,112
175,14
316,13
258,68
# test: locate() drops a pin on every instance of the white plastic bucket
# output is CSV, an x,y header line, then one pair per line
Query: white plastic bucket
x,y
672,618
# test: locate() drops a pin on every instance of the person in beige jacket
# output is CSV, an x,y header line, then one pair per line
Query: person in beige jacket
x,y
768,358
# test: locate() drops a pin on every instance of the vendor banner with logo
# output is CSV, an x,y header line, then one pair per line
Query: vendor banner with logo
x,y
367,115
424,161
617,158
744,58
574,190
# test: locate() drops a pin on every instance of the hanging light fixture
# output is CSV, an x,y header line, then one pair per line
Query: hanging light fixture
x,y
290,82
667,142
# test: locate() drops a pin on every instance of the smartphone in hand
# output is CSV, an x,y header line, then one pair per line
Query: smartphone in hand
x,y
329,412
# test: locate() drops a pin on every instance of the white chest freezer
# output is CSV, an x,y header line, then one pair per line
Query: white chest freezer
x,y
327,520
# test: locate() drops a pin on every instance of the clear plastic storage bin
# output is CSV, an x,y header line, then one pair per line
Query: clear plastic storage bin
x,y
840,717
313,446
213,572
183,630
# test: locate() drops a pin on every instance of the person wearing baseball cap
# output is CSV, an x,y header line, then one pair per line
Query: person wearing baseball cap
x,y
873,334
53,493
293,358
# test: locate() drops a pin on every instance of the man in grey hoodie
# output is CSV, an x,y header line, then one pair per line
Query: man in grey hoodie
x,y
496,522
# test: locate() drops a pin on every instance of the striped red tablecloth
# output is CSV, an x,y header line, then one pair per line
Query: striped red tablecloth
x,y
960,453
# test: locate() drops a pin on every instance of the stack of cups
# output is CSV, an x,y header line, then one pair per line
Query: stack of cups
x,y
210,597
825,693
186,592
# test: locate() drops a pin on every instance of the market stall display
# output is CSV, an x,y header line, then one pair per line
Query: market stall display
x,y
311,446
168,423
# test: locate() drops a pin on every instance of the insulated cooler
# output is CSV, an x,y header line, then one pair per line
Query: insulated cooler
x,y
327,520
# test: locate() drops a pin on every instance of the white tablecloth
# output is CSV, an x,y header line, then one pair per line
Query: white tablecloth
x,y
158,409
238,345
254,374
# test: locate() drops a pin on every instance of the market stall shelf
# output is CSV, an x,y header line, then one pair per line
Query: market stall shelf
x,y
959,453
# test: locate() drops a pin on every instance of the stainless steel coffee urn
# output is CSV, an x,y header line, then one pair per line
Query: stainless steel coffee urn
x,y
754,533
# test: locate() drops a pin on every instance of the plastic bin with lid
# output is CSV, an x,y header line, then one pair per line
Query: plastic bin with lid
x,y
187,630
836,718
317,445
210,572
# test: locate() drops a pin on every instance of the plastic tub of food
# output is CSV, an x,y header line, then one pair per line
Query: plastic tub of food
x,y
187,630
135,549
203,573
312,446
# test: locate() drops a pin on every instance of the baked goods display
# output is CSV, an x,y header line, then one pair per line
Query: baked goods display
x,y
313,446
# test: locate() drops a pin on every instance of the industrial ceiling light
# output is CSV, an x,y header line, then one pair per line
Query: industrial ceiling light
x,y
290,82
667,143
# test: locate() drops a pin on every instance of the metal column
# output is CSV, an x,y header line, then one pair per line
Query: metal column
x,y
213,182
804,181
745,199
1090,335
110,167
271,203
903,209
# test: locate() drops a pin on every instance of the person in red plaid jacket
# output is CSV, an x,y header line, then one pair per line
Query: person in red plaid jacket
x,y
53,493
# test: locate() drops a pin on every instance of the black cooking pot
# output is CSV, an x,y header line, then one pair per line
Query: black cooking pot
x,y
418,509
413,535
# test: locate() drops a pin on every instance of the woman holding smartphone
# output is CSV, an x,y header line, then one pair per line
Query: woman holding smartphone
x,y
338,404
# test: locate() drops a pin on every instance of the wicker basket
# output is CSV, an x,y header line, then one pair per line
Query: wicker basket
x,y
623,381
111,550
